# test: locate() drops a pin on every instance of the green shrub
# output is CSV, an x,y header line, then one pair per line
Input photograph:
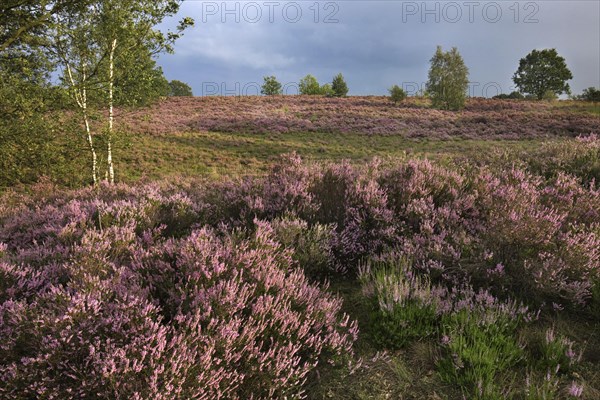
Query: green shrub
x,y
512,96
327,90
397,94
590,94
179,89
310,86
405,309
478,348
339,86
271,86
310,245
549,95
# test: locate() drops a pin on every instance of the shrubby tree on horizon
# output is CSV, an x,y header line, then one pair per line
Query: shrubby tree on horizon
x,y
327,90
339,86
179,89
590,94
309,85
271,86
448,80
543,71
511,96
397,94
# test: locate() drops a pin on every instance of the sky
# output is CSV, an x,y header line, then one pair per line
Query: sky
x,y
376,44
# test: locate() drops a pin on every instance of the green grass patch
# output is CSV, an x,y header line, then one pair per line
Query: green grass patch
x,y
224,154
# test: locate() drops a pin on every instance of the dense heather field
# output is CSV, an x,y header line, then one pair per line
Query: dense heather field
x,y
478,281
481,119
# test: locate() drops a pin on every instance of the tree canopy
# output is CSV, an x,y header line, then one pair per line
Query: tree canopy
x,y
179,89
270,86
339,86
448,80
541,72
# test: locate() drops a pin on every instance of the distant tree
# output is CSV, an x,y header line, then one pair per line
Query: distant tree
x,y
271,86
339,86
590,94
542,71
309,85
397,94
179,89
512,96
327,90
448,80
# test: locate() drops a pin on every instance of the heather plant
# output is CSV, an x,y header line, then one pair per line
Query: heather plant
x,y
310,245
580,157
372,116
436,214
479,345
405,307
546,386
287,189
211,278
141,305
595,300
357,205
477,331
556,353
542,253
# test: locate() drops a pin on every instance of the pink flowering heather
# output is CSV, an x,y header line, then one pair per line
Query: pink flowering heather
x,y
140,305
482,118
199,290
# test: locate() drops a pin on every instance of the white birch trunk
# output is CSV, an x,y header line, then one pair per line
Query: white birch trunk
x,y
81,99
109,158
89,137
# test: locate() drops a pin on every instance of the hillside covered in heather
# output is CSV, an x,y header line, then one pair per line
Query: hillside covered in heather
x,y
372,115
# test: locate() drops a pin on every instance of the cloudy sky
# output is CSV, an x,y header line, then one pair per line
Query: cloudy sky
x,y
376,44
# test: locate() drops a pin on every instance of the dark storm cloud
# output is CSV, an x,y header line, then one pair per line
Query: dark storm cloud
x,y
379,43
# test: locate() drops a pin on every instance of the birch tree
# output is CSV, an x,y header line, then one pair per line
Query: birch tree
x,y
448,80
95,46
80,57
127,28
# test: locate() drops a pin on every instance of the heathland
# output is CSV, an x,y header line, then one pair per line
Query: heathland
x,y
295,246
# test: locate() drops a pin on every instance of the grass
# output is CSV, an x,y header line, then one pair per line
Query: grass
x,y
225,154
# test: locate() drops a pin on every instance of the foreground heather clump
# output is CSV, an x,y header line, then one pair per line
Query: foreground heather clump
x,y
211,289
129,311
